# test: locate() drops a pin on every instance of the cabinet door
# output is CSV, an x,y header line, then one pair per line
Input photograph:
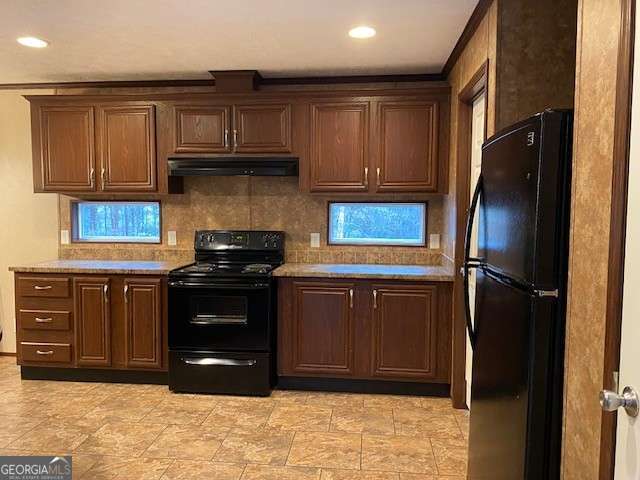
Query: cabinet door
x,y
93,321
127,148
67,161
202,129
143,323
323,328
339,147
404,331
262,128
408,147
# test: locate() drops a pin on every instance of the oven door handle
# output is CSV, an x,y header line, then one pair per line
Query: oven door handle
x,y
219,286
219,320
227,362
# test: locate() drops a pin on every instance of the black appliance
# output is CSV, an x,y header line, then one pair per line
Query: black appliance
x,y
222,314
234,165
518,330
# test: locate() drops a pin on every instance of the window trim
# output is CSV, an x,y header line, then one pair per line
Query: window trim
x,y
375,244
75,236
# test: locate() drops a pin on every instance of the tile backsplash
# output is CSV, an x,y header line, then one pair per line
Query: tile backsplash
x,y
255,203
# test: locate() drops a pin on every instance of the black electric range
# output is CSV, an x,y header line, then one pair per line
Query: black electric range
x,y
222,314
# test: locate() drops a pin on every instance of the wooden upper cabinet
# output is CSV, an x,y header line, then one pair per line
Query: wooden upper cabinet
x,y
203,129
93,321
65,149
126,148
322,328
407,157
143,323
262,128
405,331
339,147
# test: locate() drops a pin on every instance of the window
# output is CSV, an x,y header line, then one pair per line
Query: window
x,y
402,224
137,222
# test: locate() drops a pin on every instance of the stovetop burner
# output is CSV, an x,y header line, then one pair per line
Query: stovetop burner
x,y
257,268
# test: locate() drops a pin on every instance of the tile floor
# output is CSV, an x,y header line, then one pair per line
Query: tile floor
x,y
122,431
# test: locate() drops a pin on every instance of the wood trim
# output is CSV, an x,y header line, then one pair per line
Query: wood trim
x,y
327,80
617,233
470,28
478,83
7,354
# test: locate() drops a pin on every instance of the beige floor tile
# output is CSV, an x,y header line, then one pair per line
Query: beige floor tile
x,y
451,456
362,420
245,415
286,397
326,450
462,419
187,442
124,408
357,475
266,472
111,468
437,405
178,412
81,464
68,406
329,399
419,476
264,447
392,401
13,427
397,454
52,435
192,470
415,422
309,418
121,439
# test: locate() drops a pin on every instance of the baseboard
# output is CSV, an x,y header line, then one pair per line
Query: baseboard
x,y
93,375
363,386
7,354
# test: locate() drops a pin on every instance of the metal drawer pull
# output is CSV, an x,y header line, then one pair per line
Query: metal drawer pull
x,y
40,287
44,320
126,296
378,176
235,139
105,289
351,298
229,362
375,299
42,352
366,176
226,138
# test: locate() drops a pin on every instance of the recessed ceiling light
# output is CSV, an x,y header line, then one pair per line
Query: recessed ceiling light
x,y
362,31
32,42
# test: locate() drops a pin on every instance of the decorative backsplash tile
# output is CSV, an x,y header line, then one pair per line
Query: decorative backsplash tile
x,y
256,203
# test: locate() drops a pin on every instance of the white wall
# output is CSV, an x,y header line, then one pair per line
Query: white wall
x,y
28,221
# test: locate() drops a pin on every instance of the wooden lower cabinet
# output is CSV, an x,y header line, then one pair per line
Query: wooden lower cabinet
x,y
396,331
104,322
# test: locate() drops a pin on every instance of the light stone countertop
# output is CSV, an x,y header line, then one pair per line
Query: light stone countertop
x,y
433,273
127,267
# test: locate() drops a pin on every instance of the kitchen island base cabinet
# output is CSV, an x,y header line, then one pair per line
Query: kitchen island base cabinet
x,y
101,323
392,331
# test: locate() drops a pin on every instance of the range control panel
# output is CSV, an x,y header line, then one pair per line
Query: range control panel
x,y
239,240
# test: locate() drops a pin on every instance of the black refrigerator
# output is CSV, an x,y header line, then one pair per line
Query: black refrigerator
x,y
517,334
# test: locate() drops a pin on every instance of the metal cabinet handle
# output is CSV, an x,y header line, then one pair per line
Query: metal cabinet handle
x,y
40,287
105,289
43,352
44,320
378,176
375,299
126,296
351,298
92,176
226,138
102,172
227,362
235,139
366,176
611,401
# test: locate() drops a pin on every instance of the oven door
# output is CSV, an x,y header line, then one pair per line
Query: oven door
x,y
219,315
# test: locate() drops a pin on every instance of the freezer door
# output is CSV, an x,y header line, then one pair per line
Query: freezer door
x,y
523,209
514,431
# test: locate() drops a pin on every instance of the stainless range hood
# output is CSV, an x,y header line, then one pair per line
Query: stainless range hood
x,y
262,166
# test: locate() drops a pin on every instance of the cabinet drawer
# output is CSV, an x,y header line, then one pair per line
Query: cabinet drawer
x,y
46,352
43,287
44,320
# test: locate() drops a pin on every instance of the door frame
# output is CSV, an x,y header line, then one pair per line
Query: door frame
x,y
475,86
617,229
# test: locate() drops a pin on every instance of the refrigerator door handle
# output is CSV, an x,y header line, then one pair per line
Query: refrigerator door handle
x,y
470,262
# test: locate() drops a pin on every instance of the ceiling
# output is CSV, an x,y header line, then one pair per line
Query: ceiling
x,y
98,40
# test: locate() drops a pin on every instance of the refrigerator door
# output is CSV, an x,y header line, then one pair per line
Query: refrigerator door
x,y
524,199
516,397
